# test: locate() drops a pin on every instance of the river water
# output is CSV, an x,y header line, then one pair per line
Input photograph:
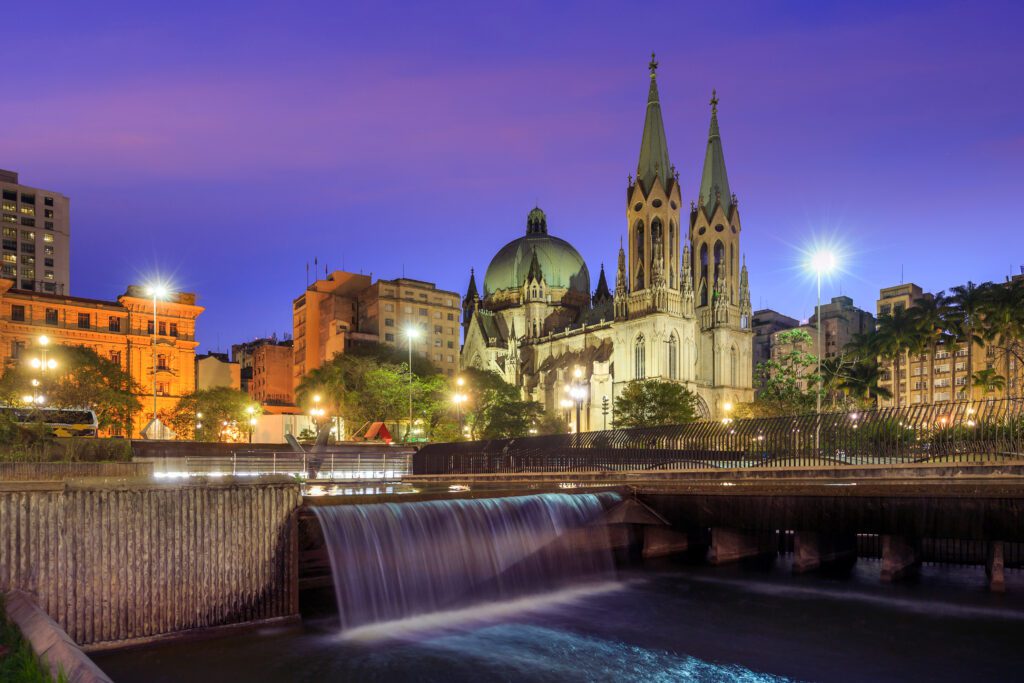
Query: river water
x,y
659,622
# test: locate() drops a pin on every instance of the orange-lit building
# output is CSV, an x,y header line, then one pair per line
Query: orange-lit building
x,y
266,370
121,330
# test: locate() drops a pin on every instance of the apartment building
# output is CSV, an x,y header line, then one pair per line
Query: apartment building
x,y
346,308
36,243
766,323
122,330
266,370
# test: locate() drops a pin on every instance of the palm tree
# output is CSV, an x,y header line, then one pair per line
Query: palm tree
x,y
1003,316
966,311
862,380
989,380
898,334
931,316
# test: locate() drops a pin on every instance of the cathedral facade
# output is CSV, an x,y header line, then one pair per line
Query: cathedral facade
x,y
680,310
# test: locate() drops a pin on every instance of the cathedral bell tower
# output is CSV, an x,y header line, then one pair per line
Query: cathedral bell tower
x,y
652,209
715,228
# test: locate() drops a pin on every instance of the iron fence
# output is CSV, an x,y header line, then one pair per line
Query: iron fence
x,y
355,465
979,431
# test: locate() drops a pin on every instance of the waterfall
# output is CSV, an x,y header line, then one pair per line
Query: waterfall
x,y
397,560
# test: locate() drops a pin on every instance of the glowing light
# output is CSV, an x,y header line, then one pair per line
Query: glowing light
x,y
565,403
412,332
459,381
40,399
35,383
823,262
158,290
199,414
44,340
35,362
253,422
28,398
51,363
250,410
577,373
727,406
316,398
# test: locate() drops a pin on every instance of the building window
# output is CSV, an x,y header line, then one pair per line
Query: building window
x,y
28,222
437,343
47,238
438,329
18,313
83,321
639,359
48,275
28,199
26,248
389,337
389,307
51,316
10,219
11,194
174,329
451,345
113,324
161,362
48,213
48,201
29,273
423,311
10,244
9,271
451,316
28,235
389,322
149,327
163,328
16,348
437,314
10,258
28,211
48,262
48,225
115,357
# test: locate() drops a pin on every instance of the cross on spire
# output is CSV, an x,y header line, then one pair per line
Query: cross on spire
x,y
653,66
714,101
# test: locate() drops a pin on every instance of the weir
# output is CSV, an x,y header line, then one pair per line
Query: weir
x,y
396,560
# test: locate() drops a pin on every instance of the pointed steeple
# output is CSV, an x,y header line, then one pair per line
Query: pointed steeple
x,y
714,183
602,292
472,292
620,273
536,222
654,161
744,287
535,274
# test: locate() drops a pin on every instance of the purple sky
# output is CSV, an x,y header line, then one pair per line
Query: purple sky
x,y
227,144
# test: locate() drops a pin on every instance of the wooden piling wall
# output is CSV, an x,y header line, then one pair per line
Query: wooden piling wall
x,y
131,561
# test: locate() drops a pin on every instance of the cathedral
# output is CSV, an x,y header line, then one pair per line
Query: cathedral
x,y
680,310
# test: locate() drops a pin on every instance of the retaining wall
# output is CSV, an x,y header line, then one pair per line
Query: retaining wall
x,y
59,471
120,562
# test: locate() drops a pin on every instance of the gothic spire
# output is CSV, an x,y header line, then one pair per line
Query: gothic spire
x,y
744,285
602,291
620,273
472,292
654,161
535,274
714,183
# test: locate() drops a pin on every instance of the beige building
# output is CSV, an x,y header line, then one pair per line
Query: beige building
x,y
946,375
346,308
215,370
266,370
36,237
680,310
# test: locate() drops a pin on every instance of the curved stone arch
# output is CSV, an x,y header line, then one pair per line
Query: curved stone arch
x,y
700,407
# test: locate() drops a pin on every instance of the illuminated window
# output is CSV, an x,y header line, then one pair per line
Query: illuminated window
x,y
28,260
28,235
48,275
29,273
9,206
48,238
48,251
48,213
10,219
640,359
28,211
10,258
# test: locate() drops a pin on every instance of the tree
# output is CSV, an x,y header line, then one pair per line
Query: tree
x,y
898,334
785,381
510,419
82,379
966,314
222,412
862,381
1003,323
988,380
931,315
651,402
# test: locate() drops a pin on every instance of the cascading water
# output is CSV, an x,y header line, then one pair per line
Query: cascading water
x,y
397,560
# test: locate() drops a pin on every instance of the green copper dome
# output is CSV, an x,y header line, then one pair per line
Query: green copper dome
x,y
560,264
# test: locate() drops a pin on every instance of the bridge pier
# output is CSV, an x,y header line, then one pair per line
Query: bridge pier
x,y
732,545
994,568
900,558
660,541
812,550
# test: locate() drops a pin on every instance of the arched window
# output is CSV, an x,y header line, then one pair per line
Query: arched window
x,y
704,274
719,260
533,291
673,357
671,251
640,254
733,367
639,359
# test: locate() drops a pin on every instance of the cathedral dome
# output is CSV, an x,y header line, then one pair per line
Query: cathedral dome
x,y
561,265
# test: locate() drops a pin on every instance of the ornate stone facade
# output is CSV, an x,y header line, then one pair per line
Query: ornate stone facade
x,y
680,311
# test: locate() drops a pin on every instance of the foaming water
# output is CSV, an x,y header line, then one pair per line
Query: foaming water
x,y
481,615
391,561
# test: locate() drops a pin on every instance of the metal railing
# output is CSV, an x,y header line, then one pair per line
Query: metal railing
x,y
358,465
980,431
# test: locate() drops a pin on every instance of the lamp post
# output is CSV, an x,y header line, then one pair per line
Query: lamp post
x,y
459,398
411,333
822,262
251,411
578,392
158,292
42,364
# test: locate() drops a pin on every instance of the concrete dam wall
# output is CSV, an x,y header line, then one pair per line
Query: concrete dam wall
x,y
131,561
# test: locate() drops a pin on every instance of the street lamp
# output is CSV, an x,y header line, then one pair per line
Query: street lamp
x,y
822,263
251,410
727,408
158,291
578,391
411,333
42,364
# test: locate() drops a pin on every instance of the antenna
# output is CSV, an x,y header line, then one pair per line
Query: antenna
x,y
901,273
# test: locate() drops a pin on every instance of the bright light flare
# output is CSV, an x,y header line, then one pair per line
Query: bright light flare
x,y
823,261
412,332
158,290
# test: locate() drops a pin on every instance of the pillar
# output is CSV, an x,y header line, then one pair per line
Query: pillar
x,y
899,558
812,550
994,567
730,545
660,541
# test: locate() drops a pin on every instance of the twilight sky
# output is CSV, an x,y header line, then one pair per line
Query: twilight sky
x,y
225,144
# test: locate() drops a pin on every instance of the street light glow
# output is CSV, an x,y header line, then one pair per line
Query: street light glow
x,y
36,362
459,381
43,340
158,290
727,406
823,262
51,364
412,332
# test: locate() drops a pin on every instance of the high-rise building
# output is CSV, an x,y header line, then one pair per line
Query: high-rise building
x,y
122,330
346,308
36,236
767,322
